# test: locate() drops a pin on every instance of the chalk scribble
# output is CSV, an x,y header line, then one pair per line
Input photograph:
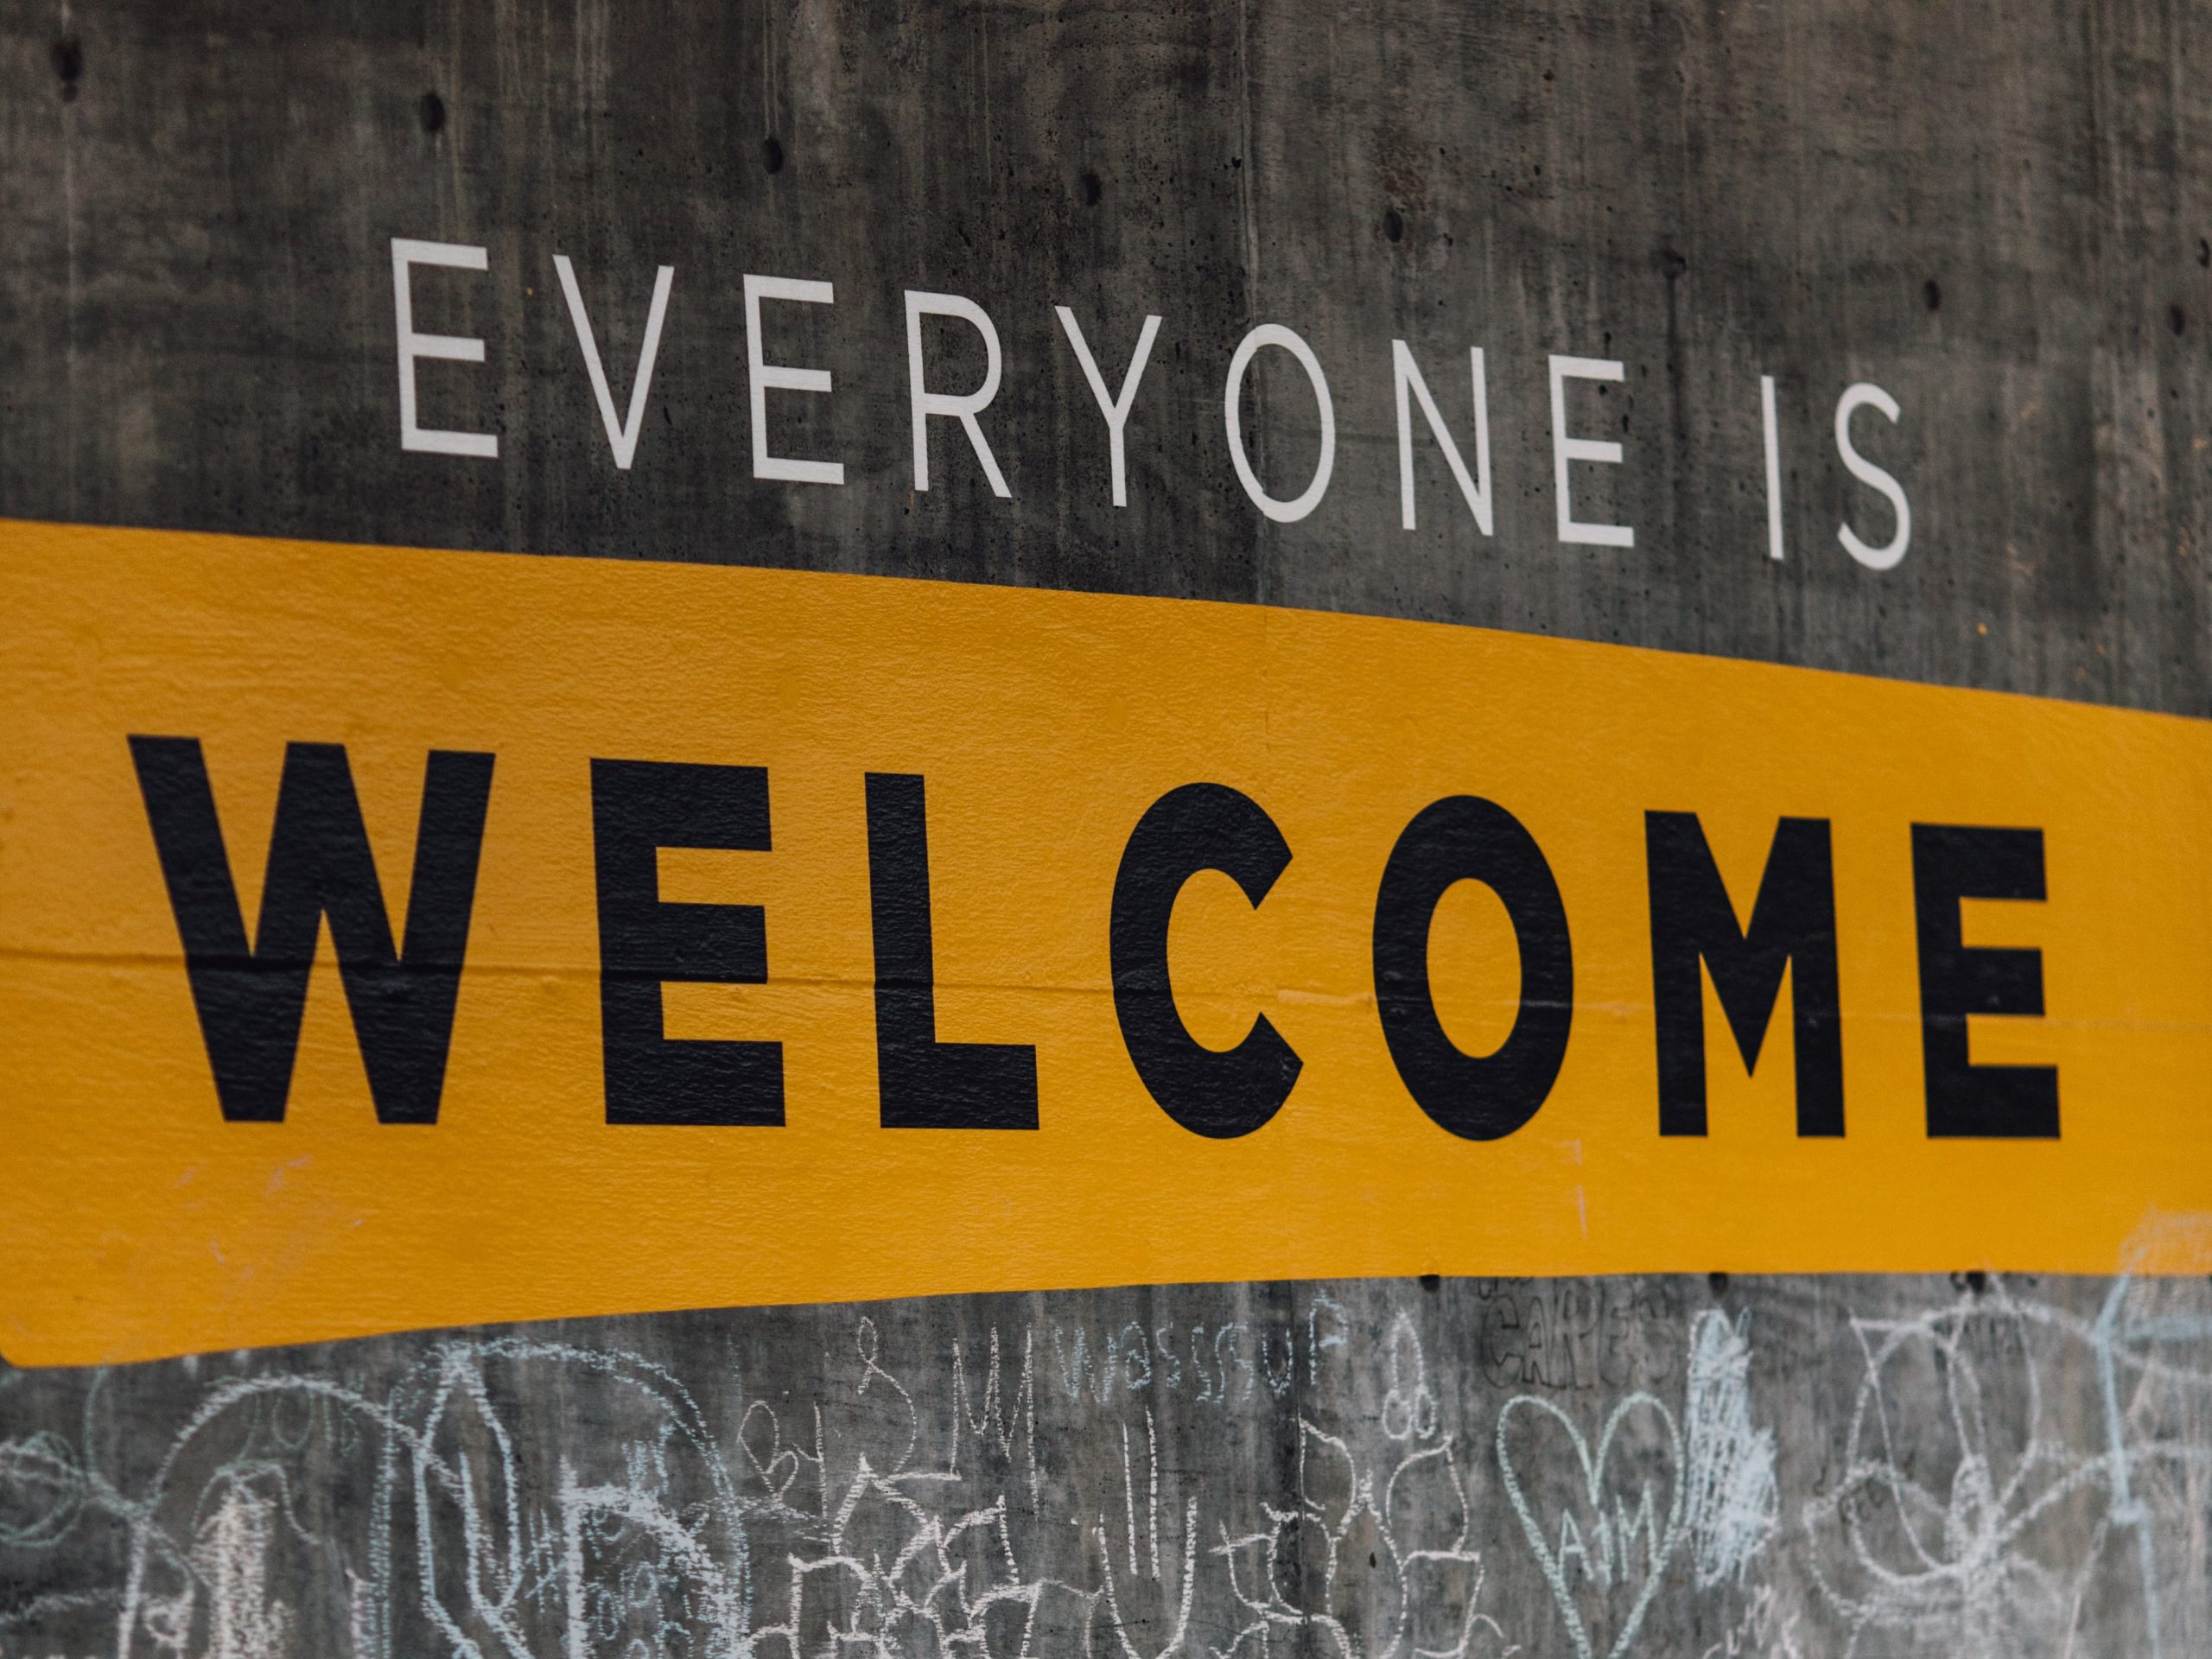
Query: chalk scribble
x,y
1352,1471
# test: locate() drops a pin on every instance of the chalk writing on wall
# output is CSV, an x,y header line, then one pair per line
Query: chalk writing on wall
x,y
1859,1467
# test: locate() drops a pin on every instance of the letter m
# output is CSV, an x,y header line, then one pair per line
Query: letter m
x,y
250,998
1792,928
1627,1523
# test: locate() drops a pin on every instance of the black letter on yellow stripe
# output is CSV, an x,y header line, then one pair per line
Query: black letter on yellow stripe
x,y
1197,827
921,1082
638,807
249,998
1463,838
1951,862
1793,929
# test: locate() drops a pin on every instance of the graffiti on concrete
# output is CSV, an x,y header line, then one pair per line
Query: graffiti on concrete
x,y
1361,1470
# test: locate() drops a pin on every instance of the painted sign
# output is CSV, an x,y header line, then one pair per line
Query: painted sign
x,y
395,938
1570,379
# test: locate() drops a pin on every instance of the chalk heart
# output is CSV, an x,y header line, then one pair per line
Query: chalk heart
x,y
1545,1542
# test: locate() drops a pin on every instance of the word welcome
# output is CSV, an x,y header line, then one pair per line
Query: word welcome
x,y
249,996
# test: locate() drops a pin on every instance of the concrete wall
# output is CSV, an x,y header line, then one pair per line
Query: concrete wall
x,y
1355,1470
1986,211
1989,213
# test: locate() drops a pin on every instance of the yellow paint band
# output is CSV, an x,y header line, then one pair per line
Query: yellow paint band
x,y
135,1219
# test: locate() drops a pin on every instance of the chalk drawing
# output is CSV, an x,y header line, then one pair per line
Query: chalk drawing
x,y
1850,1471
1765,1627
1968,1518
1431,1574
1409,1407
1604,1552
1731,1501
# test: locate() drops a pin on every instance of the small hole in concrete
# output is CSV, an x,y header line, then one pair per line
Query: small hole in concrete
x,y
1393,227
1092,189
1717,1283
2178,318
69,65
1431,1283
771,155
2203,252
1974,1280
1933,292
434,113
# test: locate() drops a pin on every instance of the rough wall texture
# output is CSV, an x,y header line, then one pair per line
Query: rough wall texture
x,y
1360,1471
1989,211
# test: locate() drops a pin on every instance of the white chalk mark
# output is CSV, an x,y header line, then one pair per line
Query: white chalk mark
x,y
1612,1558
1732,1499
1151,1505
1968,1517
1129,1501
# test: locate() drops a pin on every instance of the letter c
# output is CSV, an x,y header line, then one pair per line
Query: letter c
x,y
1213,1092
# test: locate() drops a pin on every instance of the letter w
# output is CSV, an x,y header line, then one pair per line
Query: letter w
x,y
1792,928
251,997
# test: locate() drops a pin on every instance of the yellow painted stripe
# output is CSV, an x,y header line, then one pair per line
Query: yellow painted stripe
x,y
135,1220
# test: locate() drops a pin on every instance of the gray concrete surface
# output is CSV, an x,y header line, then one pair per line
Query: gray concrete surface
x,y
1990,211
1994,212
1986,1470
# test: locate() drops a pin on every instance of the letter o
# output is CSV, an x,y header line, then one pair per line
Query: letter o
x,y
1464,838
1274,334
